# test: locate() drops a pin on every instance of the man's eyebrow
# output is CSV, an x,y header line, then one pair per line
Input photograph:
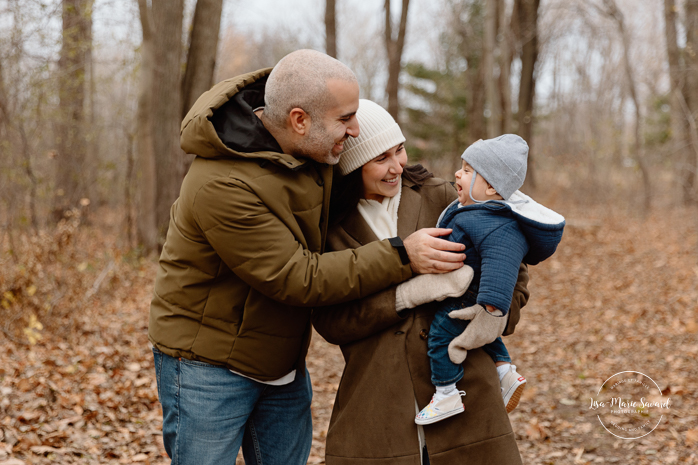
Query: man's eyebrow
x,y
348,115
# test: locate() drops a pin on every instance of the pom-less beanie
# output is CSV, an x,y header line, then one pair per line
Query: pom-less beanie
x,y
501,161
378,132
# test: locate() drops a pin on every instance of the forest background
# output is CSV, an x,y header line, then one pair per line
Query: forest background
x,y
92,93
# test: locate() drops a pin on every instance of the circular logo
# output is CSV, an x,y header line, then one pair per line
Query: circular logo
x,y
630,405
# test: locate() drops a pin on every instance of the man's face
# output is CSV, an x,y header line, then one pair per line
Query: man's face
x,y
325,139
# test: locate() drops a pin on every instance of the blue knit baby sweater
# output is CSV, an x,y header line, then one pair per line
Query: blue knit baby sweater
x,y
499,236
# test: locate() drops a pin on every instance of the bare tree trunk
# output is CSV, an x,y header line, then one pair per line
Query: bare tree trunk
x,y
17,125
128,190
691,55
90,131
331,28
617,16
394,47
201,57
476,107
691,91
27,161
681,142
164,98
146,178
493,103
527,11
70,187
504,68
166,107
471,48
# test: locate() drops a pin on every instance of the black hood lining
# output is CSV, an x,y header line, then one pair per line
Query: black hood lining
x,y
238,127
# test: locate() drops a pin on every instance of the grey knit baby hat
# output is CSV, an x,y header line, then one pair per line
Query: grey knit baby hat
x,y
378,132
501,161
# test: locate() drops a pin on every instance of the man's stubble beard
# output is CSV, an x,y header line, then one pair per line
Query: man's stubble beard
x,y
318,145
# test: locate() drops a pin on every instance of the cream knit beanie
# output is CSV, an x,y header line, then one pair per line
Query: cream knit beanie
x,y
378,132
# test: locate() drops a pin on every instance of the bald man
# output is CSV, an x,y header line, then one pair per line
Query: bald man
x,y
242,265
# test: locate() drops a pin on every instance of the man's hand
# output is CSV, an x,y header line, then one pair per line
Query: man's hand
x,y
429,254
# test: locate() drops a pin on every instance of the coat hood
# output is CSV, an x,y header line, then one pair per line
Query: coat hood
x,y
542,226
222,123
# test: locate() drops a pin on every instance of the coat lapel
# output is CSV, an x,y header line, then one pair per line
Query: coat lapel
x,y
407,217
355,225
408,211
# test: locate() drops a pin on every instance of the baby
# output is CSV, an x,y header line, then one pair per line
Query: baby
x,y
500,228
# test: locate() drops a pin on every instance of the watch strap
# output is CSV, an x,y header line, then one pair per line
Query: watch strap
x,y
396,242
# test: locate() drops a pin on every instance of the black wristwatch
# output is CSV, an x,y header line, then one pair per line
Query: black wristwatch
x,y
397,243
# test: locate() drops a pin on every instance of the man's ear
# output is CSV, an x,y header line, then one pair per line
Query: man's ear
x,y
300,121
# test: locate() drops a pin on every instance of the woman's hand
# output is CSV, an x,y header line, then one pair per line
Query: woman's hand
x,y
432,287
429,254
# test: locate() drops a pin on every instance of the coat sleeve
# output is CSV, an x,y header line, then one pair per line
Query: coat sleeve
x,y
262,251
502,252
519,300
358,319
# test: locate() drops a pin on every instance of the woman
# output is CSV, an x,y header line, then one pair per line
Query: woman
x,y
387,369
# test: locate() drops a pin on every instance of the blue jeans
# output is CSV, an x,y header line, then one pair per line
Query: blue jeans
x,y
209,413
443,330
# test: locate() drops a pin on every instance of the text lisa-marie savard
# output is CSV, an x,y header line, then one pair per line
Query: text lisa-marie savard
x,y
618,402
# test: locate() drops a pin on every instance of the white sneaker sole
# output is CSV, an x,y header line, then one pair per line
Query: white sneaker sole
x,y
515,396
429,421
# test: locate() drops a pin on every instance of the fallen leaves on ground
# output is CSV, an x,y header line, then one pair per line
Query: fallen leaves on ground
x,y
620,294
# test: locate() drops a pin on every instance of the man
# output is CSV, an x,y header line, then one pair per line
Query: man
x,y
242,264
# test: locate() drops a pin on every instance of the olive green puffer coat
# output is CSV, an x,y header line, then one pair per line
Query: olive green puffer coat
x,y
241,266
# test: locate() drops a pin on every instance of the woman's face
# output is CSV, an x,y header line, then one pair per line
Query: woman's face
x,y
381,176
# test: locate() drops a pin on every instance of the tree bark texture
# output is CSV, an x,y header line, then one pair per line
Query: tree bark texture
x,y
128,191
505,47
394,47
17,125
165,96
691,55
691,92
203,47
70,129
331,28
146,223
471,34
166,106
201,58
679,130
491,85
527,11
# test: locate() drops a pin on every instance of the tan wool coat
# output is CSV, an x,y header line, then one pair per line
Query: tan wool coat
x,y
387,366
241,266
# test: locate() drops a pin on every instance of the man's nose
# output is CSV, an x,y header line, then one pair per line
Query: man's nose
x,y
353,127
